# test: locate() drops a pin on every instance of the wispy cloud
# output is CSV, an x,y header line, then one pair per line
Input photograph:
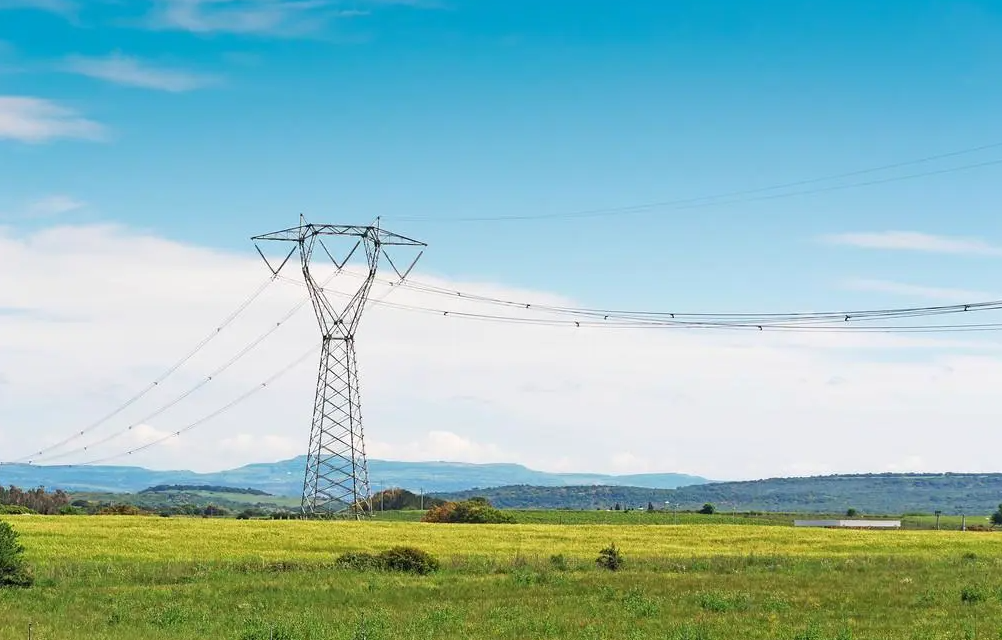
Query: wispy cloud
x,y
272,17
54,205
62,7
36,120
129,71
917,291
914,241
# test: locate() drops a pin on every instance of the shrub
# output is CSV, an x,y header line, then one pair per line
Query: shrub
x,y
408,560
397,559
15,510
473,511
997,516
357,561
610,558
13,571
972,595
708,509
851,513
121,510
559,562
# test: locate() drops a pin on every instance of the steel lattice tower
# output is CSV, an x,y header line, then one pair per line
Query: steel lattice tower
x,y
337,478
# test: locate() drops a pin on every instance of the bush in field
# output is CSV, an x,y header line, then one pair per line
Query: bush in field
x,y
472,511
397,559
708,509
357,561
121,510
13,570
997,516
408,560
610,558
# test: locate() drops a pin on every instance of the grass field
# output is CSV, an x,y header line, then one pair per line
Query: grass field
x,y
571,517
151,578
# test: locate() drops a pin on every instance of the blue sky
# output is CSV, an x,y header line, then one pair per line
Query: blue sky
x,y
255,110
203,122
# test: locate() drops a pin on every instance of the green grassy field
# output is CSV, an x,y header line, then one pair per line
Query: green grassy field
x,y
573,517
151,578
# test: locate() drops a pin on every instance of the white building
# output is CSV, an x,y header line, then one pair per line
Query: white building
x,y
849,524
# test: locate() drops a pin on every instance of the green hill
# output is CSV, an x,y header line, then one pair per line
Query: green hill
x,y
951,493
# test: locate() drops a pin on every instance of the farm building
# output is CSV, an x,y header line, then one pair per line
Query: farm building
x,y
849,524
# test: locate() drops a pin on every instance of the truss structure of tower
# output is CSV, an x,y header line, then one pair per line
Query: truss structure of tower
x,y
336,479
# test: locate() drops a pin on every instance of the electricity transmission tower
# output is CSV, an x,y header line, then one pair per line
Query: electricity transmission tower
x,y
337,478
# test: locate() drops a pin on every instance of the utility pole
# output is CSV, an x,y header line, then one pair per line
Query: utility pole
x,y
337,477
421,490
938,513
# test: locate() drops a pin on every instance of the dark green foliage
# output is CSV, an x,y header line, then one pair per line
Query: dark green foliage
x,y
400,499
38,500
357,561
610,558
13,570
650,507
559,562
122,510
708,509
472,511
396,559
997,516
408,560
973,594
851,513
15,510
162,488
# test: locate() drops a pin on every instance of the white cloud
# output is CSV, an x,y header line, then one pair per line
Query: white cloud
x,y
36,120
62,7
130,71
918,291
115,309
437,445
54,205
274,17
914,241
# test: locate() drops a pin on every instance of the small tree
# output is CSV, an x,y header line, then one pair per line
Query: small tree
x,y
851,513
650,507
13,571
618,507
997,516
610,558
708,509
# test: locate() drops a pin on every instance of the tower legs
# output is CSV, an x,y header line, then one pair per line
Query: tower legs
x,y
337,477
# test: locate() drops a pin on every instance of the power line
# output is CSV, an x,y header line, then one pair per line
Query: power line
x,y
832,322
170,371
715,319
178,399
233,403
738,197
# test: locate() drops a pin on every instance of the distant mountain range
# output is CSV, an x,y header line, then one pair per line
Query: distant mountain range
x,y
884,493
285,478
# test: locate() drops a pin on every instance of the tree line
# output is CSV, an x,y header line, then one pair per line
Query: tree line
x,y
38,500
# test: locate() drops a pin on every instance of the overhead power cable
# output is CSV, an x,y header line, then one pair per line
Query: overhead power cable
x,y
715,319
827,322
204,381
746,195
215,414
166,374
